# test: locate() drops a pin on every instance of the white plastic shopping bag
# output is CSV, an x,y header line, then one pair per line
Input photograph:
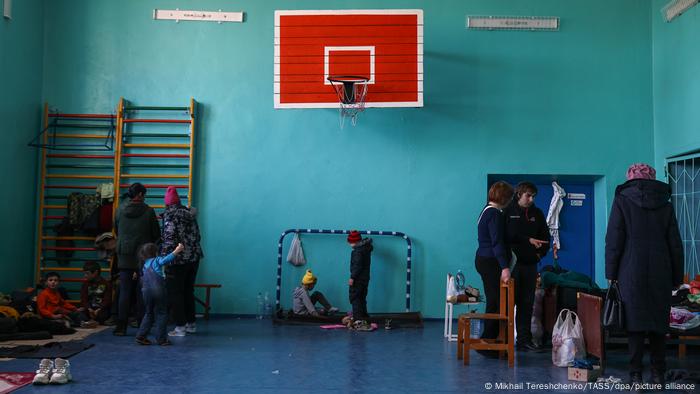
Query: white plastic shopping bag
x,y
452,291
567,339
296,253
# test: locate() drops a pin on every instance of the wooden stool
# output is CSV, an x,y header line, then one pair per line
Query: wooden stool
x,y
506,336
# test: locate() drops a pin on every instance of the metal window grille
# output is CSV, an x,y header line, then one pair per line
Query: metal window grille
x,y
684,178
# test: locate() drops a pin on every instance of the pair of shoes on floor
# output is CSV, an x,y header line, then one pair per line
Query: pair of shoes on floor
x,y
191,328
53,372
361,325
528,346
88,324
142,341
178,331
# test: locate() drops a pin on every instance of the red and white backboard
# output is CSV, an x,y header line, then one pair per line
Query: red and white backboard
x,y
385,46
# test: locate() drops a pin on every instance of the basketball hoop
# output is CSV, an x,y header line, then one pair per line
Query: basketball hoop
x,y
351,91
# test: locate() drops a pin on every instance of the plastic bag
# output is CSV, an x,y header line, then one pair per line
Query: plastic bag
x,y
296,253
567,339
452,291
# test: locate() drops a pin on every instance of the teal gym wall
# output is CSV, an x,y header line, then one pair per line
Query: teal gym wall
x,y
676,83
21,40
577,101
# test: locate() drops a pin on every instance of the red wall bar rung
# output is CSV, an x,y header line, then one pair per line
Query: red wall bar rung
x,y
156,121
155,186
68,187
68,156
98,116
67,248
168,155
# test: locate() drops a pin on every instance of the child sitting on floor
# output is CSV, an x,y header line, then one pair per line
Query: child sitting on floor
x,y
52,305
155,299
95,296
304,304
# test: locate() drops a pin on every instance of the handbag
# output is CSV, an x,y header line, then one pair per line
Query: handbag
x,y
613,311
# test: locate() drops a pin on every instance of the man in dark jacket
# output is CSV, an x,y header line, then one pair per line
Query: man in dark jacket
x,y
644,254
136,225
528,236
360,260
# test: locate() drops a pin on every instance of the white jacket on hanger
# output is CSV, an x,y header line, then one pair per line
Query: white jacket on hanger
x,y
553,215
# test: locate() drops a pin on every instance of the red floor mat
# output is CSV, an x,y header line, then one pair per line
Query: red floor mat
x,y
11,381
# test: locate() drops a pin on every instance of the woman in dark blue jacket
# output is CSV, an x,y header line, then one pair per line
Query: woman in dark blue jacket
x,y
493,255
644,254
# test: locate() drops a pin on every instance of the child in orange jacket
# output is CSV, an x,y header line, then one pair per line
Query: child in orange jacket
x,y
52,306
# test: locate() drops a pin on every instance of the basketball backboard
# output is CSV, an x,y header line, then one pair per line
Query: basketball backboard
x,y
385,46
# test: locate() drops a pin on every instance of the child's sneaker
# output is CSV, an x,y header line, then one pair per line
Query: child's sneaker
x,y
43,374
191,328
88,324
61,372
143,341
362,325
332,310
178,331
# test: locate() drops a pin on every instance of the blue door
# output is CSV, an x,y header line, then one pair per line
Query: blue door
x,y
576,220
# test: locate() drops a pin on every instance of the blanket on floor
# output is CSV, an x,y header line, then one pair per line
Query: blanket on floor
x,y
49,350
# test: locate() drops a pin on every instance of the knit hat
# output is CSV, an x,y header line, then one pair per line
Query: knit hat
x,y
308,278
354,237
641,171
171,197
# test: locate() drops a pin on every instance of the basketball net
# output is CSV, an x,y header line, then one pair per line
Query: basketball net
x,y
351,96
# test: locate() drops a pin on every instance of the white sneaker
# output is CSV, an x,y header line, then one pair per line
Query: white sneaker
x,y
43,374
61,372
191,328
179,331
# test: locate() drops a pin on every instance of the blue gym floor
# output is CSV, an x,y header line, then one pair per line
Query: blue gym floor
x,y
253,356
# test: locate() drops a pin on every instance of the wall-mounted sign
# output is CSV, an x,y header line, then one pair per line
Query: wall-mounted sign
x,y
576,196
543,23
209,16
576,203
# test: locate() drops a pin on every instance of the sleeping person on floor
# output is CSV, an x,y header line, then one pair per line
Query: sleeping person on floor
x,y
305,303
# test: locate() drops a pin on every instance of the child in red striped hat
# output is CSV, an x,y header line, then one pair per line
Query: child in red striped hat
x,y
360,260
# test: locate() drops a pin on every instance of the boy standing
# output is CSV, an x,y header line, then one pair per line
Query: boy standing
x,y
304,304
154,293
95,295
51,305
360,260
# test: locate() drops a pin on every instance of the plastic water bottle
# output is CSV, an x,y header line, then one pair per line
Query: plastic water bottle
x,y
268,306
261,307
475,328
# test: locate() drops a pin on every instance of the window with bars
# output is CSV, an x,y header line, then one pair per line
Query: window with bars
x,y
684,178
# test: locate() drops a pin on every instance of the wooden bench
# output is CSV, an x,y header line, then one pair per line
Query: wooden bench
x,y
206,303
207,297
505,341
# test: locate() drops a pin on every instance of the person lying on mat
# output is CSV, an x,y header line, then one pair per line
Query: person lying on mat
x,y
304,304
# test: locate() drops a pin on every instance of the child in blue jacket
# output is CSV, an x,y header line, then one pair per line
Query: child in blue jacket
x,y
154,293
